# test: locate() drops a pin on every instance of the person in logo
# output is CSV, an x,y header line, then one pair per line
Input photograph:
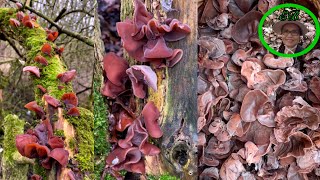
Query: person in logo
x,y
290,32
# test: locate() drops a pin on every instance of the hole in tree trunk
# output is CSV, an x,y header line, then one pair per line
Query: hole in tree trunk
x,y
180,154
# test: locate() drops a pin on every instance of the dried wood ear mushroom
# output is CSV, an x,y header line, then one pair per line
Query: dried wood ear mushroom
x,y
265,123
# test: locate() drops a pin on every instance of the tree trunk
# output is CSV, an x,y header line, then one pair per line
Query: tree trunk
x,y
176,99
102,146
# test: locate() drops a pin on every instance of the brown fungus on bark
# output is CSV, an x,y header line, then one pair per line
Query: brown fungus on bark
x,y
174,30
144,38
51,100
40,59
137,135
266,80
231,168
124,121
33,69
61,155
46,49
70,99
151,114
52,36
42,89
36,177
209,12
24,139
134,48
142,76
157,48
112,90
115,68
240,56
55,142
13,22
33,106
67,76
239,8
120,159
314,86
74,111
20,15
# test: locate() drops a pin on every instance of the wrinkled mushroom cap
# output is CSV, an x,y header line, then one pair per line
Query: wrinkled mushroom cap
x,y
61,155
251,104
280,63
151,115
246,27
115,68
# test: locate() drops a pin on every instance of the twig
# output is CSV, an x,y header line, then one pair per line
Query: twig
x,y
75,11
84,39
12,44
7,61
59,16
84,90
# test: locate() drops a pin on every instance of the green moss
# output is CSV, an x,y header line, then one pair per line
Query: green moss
x,y
59,133
72,143
162,177
38,169
14,165
101,146
85,141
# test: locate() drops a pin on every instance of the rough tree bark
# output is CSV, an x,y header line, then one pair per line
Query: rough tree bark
x,y
76,130
176,99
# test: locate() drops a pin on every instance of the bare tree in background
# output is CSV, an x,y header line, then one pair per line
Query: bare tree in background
x,y
65,16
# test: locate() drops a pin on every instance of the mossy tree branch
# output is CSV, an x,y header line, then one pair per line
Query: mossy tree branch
x,y
14,166
84,39
32,40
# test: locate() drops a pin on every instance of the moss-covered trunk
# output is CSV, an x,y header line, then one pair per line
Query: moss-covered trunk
x,y
101,146
14,166
176,99
78,131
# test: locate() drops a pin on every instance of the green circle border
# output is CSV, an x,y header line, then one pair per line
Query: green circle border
x,y
270,11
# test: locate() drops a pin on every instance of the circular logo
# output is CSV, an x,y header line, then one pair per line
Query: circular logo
x,y
291,16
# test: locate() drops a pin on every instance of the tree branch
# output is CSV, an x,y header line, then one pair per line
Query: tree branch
x,y
12,44
75,11
7,61
84,90
84,39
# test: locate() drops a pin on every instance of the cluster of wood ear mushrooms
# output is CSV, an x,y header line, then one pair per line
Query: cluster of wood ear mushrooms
x,y
144,38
